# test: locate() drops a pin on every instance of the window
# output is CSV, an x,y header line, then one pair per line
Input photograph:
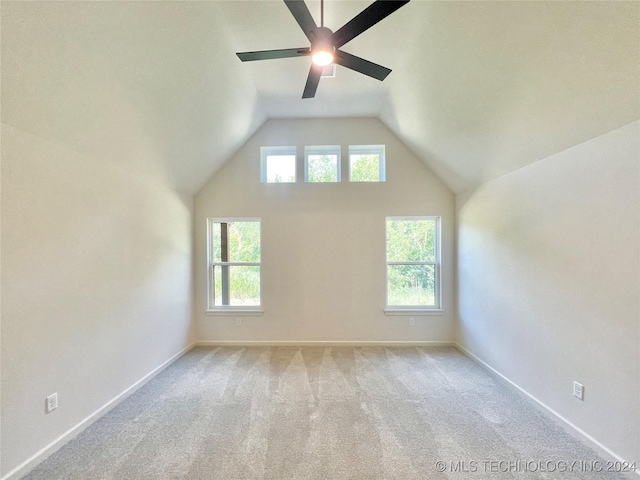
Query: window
x,y
366,163
278,164
234,264
322,164
413,263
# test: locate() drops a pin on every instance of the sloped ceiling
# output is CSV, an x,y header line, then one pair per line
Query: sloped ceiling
x,y
478,89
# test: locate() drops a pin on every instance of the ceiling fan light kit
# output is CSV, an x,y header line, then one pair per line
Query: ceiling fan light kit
x,y
325,44
322,49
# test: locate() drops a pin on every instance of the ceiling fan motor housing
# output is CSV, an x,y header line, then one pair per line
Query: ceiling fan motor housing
x,y
323,41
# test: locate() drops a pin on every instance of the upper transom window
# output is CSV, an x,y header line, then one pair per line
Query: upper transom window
x,y
278,164
366,163
322,164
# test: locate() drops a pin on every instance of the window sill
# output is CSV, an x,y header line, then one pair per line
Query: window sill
x,y
414,312
234,312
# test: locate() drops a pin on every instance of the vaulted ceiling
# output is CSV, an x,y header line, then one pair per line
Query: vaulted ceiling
x,y
478,89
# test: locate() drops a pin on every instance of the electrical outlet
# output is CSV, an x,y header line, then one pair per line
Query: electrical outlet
x,y
51,403
578,390
412,321
238,321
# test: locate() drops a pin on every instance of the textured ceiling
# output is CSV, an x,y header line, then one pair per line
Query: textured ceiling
x,y
478,89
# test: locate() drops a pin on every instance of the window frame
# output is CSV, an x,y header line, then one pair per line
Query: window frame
x,y
277,151
370,150
322,150
225,310
416,309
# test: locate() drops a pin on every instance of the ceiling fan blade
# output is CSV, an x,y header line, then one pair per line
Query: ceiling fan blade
x,y
302,15
312,81
361,65
271,54
366,19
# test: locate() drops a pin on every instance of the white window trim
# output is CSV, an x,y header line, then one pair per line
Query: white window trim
x,y
412,311
322,150
370,150
229,310
269,151
234,312
417,310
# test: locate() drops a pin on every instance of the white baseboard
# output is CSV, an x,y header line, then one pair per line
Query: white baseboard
x,y
574,428
30,463
323,343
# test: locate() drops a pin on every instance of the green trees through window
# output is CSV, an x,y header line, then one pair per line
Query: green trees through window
x,y
322,164
364,168
412,261
235,265
322,168
367,163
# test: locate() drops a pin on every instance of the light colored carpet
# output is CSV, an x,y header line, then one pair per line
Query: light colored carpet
x,y
364,413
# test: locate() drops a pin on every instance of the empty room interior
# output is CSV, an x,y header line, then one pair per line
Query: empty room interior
x,y
320,240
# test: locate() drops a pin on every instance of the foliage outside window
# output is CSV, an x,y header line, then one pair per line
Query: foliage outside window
x,y
366,163
278,164
413,262
234,263
322,164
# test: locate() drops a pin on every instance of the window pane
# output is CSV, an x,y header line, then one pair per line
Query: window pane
x,y
217,242
322,168
364,168
243,242
411,240
240,284
411,285
281,168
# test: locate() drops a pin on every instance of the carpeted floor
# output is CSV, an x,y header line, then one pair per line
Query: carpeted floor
x,y
363,413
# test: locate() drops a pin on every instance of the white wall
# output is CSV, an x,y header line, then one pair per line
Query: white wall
x,y
96,286
323,245
549,283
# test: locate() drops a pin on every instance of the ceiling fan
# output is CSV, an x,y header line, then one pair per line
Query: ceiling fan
x,y
325,44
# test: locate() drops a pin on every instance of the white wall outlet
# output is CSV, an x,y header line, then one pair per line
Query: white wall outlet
x,y
51,402
412,321
238,321
578,390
